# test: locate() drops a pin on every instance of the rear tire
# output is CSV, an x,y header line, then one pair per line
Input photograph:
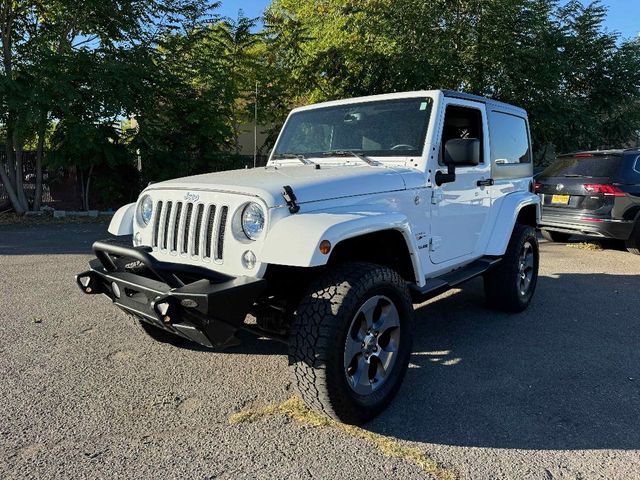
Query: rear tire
x,y
555,236
510,286
351,340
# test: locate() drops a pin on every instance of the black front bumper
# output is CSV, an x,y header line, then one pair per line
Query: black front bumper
x,y
597,227
193,302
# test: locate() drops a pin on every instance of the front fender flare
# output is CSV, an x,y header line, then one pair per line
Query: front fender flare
x,y
510,208
122,221
295,240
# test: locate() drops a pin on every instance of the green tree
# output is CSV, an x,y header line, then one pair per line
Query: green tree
x,y
579,82
80,65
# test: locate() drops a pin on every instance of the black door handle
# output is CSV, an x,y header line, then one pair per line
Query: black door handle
x,y
485,183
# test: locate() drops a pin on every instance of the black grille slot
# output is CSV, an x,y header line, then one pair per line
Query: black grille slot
x,y
176,227
156,224
209,232
196,242
223,227
187,228
167,220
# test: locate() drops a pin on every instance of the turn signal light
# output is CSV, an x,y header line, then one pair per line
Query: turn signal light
x,y
325,247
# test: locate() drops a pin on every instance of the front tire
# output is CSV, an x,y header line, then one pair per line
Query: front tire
x,y
511,285
351,341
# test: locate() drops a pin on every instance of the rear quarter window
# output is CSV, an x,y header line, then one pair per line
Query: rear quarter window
x,y
509,139
596,166
631,170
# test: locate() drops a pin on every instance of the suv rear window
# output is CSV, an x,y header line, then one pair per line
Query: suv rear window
x,y
597,166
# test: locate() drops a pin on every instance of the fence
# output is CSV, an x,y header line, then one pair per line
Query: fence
x,y
29,179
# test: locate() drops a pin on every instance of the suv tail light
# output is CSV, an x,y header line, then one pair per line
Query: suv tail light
x,y
606,189
537,186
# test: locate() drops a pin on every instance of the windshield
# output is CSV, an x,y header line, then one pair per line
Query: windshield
x,y
596,166
382,128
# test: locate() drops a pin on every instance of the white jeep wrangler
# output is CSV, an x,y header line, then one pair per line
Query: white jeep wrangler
x,y
365,207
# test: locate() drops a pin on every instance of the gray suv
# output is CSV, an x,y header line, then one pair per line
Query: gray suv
x,y
592,193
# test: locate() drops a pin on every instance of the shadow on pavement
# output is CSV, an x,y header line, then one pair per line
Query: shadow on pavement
x,y
55,239
565,374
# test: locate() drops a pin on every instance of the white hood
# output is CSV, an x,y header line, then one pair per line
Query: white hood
x,y
308,183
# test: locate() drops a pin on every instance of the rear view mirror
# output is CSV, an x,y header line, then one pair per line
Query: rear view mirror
x,y
462,151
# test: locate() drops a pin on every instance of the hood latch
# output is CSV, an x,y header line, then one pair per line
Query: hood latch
x,y
290,198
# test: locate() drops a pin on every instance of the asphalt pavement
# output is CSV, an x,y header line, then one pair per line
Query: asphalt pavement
x,y
552,393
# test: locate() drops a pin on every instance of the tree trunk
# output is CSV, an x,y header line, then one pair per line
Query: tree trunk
x,y
13,197
86,189
11,159
20,180
7,61
37,197
81,185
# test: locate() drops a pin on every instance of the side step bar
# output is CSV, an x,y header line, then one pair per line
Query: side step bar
x,y
438,285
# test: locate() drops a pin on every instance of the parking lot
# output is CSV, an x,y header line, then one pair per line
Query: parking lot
x,y
551,393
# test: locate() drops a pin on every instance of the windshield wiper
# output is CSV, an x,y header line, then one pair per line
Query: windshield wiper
x,y
297,156
346,153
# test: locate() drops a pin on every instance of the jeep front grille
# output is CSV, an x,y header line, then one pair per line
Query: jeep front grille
x,y
177,229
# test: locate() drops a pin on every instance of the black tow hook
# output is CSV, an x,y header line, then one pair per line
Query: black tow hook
x,y
166,310
88,283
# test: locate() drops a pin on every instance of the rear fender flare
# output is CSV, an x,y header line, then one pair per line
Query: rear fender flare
x,y
509,210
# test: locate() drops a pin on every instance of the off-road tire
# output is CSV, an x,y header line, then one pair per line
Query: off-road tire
x,y
319,332
157,333
633,244
552,236
501,283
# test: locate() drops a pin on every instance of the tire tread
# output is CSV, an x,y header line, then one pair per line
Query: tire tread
x,y
500,290
315,326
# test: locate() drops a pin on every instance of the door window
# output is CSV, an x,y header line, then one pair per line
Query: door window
x,y
461,122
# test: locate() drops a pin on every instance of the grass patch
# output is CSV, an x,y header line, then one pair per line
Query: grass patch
x,y
295,409
585,246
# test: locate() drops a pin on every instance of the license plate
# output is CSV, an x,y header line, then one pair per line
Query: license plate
x,y
560,199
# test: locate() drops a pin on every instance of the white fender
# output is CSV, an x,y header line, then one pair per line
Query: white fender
x,y
506,219
122,221
295,240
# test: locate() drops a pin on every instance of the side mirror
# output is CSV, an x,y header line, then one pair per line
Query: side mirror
x,y
458,152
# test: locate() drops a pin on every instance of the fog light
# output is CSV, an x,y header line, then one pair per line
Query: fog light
x,y
84,281
137,240
116,289
248,260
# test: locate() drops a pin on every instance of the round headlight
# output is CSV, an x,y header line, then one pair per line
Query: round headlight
x,y
145,209
252,221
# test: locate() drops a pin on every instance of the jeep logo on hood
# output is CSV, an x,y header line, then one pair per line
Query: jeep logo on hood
x,y
191,197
